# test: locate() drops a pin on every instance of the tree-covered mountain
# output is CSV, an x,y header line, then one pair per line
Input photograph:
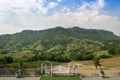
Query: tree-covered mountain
x,y
56,42
52,36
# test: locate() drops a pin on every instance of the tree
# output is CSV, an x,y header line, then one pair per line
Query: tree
x,y
7,59
20,63
20,68
112,51
96,61
3,52
34,58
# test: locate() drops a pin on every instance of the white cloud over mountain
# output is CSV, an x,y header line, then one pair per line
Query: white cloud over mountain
x,y
17,15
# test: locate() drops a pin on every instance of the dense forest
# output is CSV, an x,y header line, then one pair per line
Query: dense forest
x,y
58,44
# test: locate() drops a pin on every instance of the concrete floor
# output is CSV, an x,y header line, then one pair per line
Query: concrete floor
x,y
99,78
37,78
14,78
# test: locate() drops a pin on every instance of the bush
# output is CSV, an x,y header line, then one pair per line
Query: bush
x,y
105,56
89,57
112,51
38,72
96,61
3,52
102,72
6,59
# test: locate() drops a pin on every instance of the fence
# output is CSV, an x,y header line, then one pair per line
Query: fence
x,y
37,72
96,73
11,72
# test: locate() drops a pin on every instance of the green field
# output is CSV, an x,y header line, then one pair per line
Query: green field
x,y
59,78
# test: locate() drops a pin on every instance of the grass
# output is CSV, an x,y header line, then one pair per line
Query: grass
x,y
32,64
18,56
109,63
100,52
59,78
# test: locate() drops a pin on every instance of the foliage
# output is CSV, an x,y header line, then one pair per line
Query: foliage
x,y
20,63
96,61
113,47
102,72
6,60
102,54
57,44
114,51
105,56
4,51
50,37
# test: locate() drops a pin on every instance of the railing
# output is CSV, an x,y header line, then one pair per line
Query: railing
x,y
11,72
37,72
96,73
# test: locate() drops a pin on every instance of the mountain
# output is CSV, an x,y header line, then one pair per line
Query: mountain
x,y
75,32
29,37
57,44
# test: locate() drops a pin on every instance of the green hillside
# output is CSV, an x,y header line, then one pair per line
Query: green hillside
x,y
56,44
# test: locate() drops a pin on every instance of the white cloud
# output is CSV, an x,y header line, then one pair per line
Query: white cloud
x,y
52,5
9,29
92,6
65,9
32,14
26,5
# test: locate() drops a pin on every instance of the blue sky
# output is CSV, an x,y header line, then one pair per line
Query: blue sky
x,y
18,15
113,7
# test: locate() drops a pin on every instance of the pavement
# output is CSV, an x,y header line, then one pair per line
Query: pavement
x,y
14,78
37,78
99,78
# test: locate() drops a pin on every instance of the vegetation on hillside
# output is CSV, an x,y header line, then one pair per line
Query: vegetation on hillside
x,y
58,44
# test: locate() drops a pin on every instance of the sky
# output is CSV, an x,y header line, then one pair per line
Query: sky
x,y
19,15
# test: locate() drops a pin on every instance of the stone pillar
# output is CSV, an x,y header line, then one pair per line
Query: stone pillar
x,y
78,69
46,69
73,69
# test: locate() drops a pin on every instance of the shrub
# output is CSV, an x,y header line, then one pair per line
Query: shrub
x,y
105,56
6,59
